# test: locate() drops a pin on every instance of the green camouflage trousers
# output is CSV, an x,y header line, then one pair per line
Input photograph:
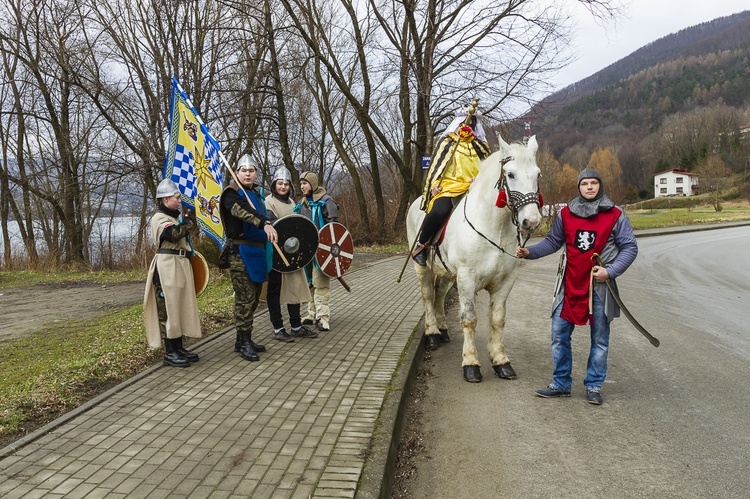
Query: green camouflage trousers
x,y
246,294
161,310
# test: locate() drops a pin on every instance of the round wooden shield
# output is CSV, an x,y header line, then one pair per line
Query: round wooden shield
x,y
298,241
200,272
335,249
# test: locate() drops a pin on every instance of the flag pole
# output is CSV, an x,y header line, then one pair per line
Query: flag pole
x,y
237,181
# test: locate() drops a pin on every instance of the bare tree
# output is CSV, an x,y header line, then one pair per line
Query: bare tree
x,y
353,90
12,142
43,36
714,178
433,56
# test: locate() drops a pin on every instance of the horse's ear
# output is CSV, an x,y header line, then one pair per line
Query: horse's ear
x,y
503,144
533,145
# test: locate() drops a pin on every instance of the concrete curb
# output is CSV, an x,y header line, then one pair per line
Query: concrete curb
x,y
377,477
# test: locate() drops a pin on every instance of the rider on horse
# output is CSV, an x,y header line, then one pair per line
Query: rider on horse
x,y
455,165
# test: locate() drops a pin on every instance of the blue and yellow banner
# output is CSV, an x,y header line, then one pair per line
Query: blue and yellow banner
x,y
193,163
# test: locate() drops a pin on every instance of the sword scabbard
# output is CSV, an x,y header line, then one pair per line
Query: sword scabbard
x,y
596,259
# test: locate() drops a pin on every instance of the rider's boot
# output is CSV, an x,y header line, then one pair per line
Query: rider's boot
x,y
419,255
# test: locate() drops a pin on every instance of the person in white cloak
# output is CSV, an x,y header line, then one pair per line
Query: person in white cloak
x,y
170,307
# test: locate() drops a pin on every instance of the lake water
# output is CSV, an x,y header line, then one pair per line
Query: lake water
x,y
115,235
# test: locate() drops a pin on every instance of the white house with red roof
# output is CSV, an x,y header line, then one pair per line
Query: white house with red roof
x,y
675,182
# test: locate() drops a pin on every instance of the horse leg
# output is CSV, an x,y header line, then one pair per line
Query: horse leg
x,y
495,343
470,360
427,288
441,290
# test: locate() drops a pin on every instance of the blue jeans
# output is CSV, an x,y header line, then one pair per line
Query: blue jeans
x,y
562,353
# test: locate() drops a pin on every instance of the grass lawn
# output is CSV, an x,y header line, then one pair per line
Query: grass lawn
x,y
652,219
61,366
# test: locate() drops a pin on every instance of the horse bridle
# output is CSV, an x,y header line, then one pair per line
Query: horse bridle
x,y
515,201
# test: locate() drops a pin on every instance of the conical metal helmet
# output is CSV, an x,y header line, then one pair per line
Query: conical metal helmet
x,y
282,173
245,160
166,188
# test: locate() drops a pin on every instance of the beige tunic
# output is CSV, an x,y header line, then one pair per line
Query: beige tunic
x,y
294,286
176,275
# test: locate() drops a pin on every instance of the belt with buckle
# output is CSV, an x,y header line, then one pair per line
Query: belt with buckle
x,y
179,252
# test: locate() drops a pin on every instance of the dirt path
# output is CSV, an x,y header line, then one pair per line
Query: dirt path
x,y
24,310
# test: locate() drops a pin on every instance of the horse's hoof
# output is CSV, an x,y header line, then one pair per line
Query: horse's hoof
x,y
505,371
472,374
432,341
444,336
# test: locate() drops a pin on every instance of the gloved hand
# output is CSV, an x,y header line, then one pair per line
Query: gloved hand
x,y
189,221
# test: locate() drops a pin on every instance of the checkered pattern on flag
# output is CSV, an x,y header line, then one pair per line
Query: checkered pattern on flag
x,y
194,164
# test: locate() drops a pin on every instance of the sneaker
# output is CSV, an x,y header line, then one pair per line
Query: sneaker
x,y
308,321
303,332
594,396
552,391
322,325
282,335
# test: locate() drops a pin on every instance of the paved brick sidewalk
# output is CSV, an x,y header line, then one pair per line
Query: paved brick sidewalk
x,y
297,424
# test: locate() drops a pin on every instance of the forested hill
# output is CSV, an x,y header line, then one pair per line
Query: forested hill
x,y
724,33
701,66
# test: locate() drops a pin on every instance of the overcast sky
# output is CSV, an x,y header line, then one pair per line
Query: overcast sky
x,y
647,20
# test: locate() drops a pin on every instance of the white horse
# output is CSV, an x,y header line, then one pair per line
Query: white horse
x,y
478,251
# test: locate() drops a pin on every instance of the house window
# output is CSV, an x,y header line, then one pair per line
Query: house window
x,y
678,180
663,190
679,190
662,180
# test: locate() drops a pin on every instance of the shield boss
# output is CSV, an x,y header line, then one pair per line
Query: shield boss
x,y
298,240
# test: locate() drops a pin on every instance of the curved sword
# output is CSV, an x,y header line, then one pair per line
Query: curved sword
x,y
641,329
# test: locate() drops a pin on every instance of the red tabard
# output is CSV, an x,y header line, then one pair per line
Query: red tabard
x,y
583,238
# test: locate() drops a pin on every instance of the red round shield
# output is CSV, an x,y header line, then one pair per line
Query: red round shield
x,y
335,249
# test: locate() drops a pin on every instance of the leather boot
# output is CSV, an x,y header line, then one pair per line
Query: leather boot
x,y
190,356
238,344
419,255
258,347
171,357
247,350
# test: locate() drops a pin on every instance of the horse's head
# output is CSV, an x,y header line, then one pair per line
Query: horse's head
x,y
518,184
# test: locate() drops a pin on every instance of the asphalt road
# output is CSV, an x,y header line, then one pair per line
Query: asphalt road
x,y
674,422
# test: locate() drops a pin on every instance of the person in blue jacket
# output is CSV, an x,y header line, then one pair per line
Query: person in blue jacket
x,y
247,229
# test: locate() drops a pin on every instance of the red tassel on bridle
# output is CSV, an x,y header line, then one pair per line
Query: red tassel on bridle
x,y
541,201
502,199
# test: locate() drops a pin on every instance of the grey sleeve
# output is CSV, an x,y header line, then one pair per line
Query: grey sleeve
x,y
332,211
627,247
554,241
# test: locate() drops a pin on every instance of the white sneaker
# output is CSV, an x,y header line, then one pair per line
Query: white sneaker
x,y
323,325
